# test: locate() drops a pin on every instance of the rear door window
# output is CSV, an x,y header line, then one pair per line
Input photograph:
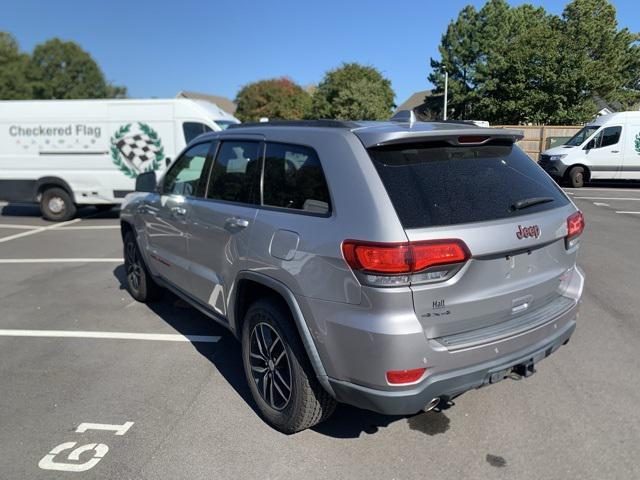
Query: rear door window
x,y
438,184
235,173
293,179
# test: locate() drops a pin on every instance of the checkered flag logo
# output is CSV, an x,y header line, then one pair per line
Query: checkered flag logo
x,y
137,153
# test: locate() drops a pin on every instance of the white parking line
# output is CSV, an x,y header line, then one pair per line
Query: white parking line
x,y
61,260
38,230
637,190
19,227
601,204
632,213
89,227
161,337
631,199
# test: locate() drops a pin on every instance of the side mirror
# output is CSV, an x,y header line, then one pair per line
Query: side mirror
x,y
146,182
590,145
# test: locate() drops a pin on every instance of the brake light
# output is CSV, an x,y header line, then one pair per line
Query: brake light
x,y
405,376
575,227
388,264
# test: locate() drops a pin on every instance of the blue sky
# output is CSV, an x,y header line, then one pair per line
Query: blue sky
x,y
158,48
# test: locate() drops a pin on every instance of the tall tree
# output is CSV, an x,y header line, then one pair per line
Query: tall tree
x,y
63,70
521,65
13,70
353,92
610,58
277,98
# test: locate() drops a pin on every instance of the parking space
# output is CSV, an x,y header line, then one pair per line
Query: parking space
x,y
165,390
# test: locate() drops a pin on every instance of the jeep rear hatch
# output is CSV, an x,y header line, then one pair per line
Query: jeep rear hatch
x,y
484,192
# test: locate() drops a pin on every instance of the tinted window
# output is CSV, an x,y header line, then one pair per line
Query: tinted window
x,y
235,175
293,178
193,129
609,136
184,175
439,184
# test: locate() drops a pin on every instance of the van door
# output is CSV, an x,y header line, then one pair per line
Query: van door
x,y
631,164
221,223
166,216
604,153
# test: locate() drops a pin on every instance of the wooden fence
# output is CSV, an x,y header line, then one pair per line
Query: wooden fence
x,y
538,138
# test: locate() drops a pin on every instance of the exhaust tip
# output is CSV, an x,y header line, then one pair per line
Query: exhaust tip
x,y
432,404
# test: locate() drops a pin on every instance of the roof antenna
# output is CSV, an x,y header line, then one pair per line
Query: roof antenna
x,y
404,116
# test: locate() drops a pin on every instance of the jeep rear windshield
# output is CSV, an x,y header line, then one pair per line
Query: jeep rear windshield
x,y
437,184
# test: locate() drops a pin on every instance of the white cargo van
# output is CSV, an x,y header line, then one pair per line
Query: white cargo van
x,y
64,153
607,148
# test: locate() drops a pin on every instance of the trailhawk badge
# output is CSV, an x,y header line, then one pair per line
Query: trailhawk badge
x,y
136,152
526,232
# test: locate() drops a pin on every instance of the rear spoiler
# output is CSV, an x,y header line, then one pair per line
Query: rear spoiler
x,y
411,131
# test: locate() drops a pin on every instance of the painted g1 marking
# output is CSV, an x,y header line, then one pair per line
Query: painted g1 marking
x,y
48,461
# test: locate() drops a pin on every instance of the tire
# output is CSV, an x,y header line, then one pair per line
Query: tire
x,y
140,284
577,177
57,205
308,403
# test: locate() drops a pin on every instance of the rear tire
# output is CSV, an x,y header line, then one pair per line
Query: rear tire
x,y
140,284
577,177
57,205
281,379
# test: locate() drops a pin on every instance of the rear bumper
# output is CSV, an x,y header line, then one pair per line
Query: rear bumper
x,y
449,384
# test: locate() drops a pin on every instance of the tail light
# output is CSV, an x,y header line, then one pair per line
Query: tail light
x,y
393,264
398,377
575,227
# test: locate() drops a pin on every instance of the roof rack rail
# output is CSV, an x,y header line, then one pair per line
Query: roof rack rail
x,y
297,123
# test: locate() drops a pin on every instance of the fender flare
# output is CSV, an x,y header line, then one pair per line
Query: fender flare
x,y
298,317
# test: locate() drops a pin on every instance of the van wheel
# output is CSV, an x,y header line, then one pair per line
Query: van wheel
x,y
281,379
140,284
577,177
56,205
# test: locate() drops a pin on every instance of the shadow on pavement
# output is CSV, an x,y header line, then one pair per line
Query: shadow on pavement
x,y
33,210
612,184
226,356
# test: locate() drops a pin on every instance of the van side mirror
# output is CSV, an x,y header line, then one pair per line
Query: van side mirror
x,y
591,144
146,182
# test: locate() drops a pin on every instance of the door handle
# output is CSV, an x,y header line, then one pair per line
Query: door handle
x,y
237,222
179,211
615,151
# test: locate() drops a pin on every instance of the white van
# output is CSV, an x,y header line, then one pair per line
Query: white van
x,y
64,153
607,148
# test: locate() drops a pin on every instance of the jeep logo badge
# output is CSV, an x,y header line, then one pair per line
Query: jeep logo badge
x,y
526,232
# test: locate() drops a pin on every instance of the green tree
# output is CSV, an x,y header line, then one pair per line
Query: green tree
x,y
13,70
609,58
63,70
521,65
353,92
277,98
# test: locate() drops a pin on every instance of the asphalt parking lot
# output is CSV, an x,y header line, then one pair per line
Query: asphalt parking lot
x,y
145,392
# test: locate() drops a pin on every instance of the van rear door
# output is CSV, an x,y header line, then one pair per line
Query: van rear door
x,y
511,216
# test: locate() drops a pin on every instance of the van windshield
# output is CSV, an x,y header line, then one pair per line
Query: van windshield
x,y
584,133
224,124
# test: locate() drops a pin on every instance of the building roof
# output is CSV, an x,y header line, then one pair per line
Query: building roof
x,y
222,102
414,100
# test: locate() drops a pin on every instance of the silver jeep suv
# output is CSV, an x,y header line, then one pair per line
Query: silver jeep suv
x,y
387,265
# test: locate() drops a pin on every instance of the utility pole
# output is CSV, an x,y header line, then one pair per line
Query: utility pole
x,y
446,92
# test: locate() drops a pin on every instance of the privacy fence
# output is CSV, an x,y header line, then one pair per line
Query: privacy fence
x,y
538,138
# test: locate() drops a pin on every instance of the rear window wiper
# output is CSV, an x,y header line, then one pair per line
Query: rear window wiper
x,y
530,202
